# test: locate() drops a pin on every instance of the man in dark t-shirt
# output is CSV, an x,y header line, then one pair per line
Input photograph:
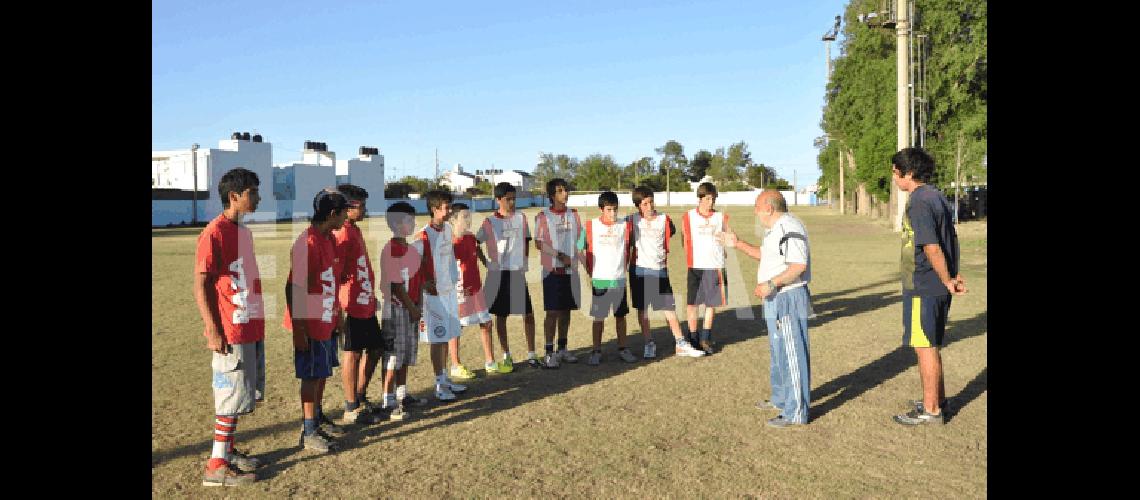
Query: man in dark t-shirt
x,y
929,278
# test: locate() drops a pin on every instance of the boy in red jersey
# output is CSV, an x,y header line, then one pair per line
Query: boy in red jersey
x,y
469,290
360,328
311,313
227,289
399,286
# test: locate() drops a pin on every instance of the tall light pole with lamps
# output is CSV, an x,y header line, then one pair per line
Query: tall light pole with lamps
x,y
828,38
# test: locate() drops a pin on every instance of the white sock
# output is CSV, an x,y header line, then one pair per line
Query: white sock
x,y
441,379
506,354
401,392
530,355
389,400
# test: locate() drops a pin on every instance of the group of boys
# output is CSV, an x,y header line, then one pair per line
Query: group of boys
x,y
431,286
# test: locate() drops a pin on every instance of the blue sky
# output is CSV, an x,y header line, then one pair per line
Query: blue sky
x,y
493,83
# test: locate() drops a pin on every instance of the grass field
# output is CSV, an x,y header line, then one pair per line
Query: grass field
x,y
671,427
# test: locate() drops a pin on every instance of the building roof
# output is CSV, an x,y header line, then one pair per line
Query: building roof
x,y
525,174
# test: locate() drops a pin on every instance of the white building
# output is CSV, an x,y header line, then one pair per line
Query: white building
x,y
296,184
366,171
173,169
522,181
458,180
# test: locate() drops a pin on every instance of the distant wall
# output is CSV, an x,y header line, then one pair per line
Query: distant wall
x,y
686,198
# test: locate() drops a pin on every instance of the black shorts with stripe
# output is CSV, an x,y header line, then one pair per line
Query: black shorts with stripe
x,y
707,287
924,319
651,291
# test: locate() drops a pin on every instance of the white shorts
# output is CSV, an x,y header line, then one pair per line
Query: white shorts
x,y
440,321
238,382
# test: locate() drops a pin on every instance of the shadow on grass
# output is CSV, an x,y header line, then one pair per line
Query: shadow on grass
x,y
890,365
969,393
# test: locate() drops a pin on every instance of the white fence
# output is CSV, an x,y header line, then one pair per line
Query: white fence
x,y
684,198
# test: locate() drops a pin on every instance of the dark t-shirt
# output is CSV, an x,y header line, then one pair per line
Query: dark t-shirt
x,y
928,220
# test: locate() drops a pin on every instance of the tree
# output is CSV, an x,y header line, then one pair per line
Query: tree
x,y
598,172
417,185
758,175
700,165
638,170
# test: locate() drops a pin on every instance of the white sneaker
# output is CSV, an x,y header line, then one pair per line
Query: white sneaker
x,y
594,359
567,356
626,356
650,350
456,388
684,348
551,360
443,393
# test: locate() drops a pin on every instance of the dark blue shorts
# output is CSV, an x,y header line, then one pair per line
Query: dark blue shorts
x,y
318,361
561,292
924,319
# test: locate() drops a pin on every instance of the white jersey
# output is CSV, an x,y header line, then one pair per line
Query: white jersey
x,y
775,257
506,239
560,231
607,249
440,253
651,240
702,250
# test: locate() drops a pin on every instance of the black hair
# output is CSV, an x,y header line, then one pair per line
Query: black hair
x,y
641,193
237,180
326,202
914,160
552,185
502,188
455,208
400,207
353,192
705,189
607,199
437,198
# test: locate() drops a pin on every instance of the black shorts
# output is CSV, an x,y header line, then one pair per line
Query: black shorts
x,y
707,287
362,334
561,292
651,291
607,300
511,295
924,319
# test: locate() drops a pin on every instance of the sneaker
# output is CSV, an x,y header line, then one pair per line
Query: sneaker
x,y
396,413
369,407
456,388
707,346
595,358
766,405
491,368
567,356
507,365
331,428
317,442
243,461
551,360
535,362
779,422
919,416
461,372
227,475
410,400
443,393
626,356
358,416
650,350
684,348
917,403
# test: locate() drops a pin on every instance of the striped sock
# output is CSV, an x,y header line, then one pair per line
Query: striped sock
x,y
224,427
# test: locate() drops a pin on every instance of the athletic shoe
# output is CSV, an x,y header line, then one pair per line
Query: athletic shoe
x,y
918,416
369,407
507,365
917,403
491,368
567,356
766,405
443,393
456,388
358,416
410,400
227,475
684,348
707,346
461,372
626,356
243,461
650,350
397,413
317,442
534,362
331,428
551,360
779,422
595,358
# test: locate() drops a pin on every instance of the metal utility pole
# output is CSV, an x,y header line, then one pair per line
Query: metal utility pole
x,y
436,179
828,38
795,189
194,192
957,179
902,32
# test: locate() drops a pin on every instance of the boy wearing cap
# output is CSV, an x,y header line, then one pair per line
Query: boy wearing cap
x,y
399,286
360,327
227,289
311,313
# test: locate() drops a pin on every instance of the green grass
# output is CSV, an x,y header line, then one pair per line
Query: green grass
x,y
673,427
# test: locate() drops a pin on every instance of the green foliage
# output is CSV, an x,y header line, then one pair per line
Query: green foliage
x,y
732,186
758,175
598,172
699,167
